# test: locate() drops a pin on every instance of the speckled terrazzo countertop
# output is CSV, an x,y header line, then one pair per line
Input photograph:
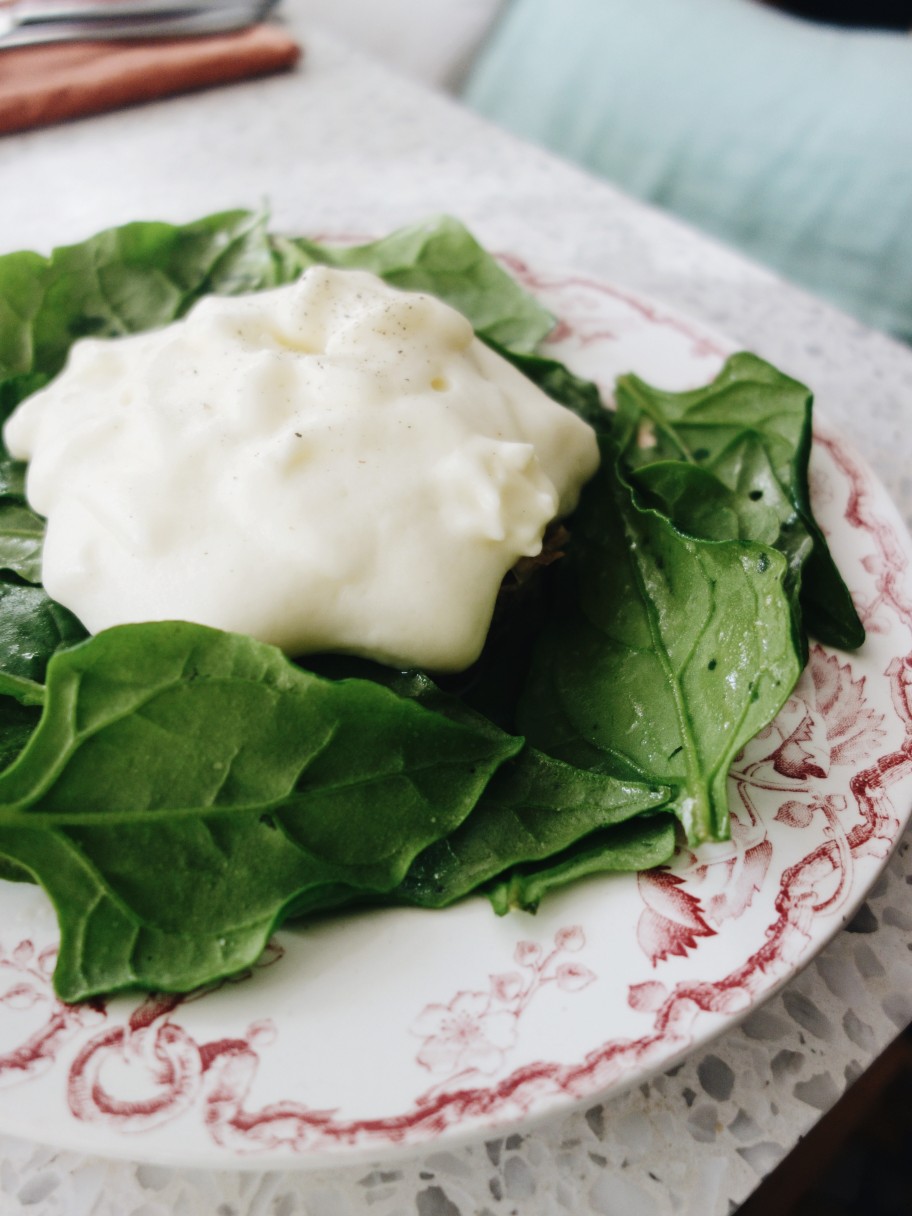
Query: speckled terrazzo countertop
x,y
343,147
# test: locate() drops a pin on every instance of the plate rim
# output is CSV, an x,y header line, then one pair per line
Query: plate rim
x,y
546,1106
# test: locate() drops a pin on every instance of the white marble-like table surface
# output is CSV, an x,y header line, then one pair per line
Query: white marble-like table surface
x,y
341,146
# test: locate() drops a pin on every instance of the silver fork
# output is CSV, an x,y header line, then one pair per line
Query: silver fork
x,y
37,21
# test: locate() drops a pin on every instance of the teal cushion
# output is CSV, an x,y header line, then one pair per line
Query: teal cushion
x,y
789,139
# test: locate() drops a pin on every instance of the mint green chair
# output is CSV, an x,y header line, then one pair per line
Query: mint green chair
x,y
788,139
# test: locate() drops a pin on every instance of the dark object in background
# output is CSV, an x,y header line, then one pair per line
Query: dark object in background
x,y
855,1162
873,14
787,138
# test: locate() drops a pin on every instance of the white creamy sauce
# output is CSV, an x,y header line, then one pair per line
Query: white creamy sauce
x,y
333,465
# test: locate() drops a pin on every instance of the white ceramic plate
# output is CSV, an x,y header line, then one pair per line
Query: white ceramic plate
x,y
365,1035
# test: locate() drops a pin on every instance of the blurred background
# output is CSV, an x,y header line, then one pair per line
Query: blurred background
x,y
783,128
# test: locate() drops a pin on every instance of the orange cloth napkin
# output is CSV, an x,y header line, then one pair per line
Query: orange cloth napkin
x,y
44,84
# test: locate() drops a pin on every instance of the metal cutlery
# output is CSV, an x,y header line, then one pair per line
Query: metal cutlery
x,y
32,22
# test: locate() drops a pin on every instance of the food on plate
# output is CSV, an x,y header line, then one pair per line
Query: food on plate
x,y
377,465
180,790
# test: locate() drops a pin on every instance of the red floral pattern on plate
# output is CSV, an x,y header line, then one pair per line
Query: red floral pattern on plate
x,y
474,1033
699,942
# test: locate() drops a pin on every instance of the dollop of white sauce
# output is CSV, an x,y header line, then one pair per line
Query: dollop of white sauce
x,y
329,466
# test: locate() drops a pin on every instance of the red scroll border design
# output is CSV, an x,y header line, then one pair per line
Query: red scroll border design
x,y
213,1080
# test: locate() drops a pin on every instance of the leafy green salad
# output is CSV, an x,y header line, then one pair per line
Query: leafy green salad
x,y
179,792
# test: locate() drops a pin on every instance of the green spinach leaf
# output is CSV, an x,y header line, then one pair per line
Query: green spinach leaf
x,y
731,460
123,280
533,808
663,654
641,844
184,786
32,628
21,540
